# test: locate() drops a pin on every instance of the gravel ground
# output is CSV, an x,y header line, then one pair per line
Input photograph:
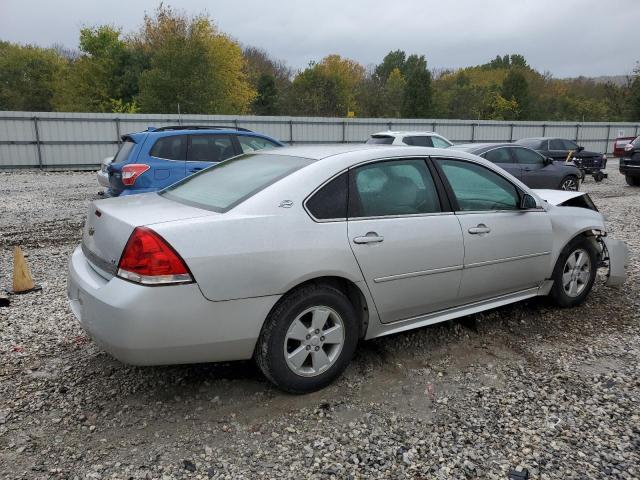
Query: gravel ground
x,y
531,385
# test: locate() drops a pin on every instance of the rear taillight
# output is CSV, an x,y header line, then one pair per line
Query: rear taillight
x,y
148,259
131,172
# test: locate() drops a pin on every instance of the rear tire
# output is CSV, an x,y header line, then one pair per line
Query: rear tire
x,y
570,183
632,181
308,339
574,273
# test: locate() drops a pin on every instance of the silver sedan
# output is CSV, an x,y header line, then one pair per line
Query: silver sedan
x,y
293,256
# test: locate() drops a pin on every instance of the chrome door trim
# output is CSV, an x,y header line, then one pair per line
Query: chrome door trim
x,y
507,259
417,274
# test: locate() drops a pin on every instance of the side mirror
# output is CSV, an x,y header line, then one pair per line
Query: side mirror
x,y
548,161
527,202
578,150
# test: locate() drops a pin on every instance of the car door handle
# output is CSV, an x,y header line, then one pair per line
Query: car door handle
x,y
196,169
527,169
481,228
370,237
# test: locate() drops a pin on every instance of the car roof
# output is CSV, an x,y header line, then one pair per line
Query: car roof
x,y
327,151
481,147
198,131
407,132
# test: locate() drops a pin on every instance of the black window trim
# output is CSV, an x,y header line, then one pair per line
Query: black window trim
x,y
316,190
454,200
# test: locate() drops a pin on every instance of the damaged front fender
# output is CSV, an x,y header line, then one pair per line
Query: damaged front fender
x,y
616,253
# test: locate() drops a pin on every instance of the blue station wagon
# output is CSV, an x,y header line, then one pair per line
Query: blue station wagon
x,y
154,159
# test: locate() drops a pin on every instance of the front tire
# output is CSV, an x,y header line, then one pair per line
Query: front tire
x,y
632,181
308,339
570,183
574,273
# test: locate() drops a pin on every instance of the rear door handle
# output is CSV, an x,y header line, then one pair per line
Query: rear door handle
x,y
481,228
370,237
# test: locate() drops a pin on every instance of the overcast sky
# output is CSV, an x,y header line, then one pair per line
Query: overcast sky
x,y
565,37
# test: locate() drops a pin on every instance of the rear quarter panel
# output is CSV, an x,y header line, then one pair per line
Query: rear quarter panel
x,y
241,256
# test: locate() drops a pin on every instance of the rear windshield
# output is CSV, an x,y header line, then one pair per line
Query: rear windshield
x,y
380,140
125,150
227,184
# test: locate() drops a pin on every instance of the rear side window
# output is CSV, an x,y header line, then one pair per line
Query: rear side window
x,y
477,188
251,144
170,148
380,140
210,148
227,184
124,151
389,188
418,141
499,155
330,202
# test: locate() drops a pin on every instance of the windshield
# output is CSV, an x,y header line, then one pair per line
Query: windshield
x,y
227,184
380,140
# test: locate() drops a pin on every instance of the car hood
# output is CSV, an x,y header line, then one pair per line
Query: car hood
x,y
556,197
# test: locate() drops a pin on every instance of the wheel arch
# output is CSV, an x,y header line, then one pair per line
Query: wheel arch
x,y
356,294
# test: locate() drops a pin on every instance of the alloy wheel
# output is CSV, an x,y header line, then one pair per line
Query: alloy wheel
x,y
314,341
570,184
576,273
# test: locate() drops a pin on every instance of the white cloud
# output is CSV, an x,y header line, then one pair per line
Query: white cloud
x,y
566,37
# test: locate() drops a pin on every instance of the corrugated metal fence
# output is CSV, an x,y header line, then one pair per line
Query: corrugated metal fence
x,y
81,140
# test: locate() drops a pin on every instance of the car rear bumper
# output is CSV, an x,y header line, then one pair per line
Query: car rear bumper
x,y
103,178
144,325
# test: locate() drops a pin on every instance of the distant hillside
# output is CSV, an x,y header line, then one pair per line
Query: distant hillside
x,y
618,80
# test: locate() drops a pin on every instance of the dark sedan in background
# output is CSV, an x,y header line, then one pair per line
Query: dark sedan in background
x,y
630,163
527,165
590,163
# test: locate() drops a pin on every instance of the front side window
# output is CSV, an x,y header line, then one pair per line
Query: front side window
x,y
569,145
499,155
556,144
225,185
440,142
170,148
330,202
397,187
210,148
250,144
477,188
528,157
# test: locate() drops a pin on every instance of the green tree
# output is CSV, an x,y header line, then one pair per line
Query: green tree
x,y
417,99
191,65
634,97
266,101
392,61
515,87
27,77
107,71
394,89
328,88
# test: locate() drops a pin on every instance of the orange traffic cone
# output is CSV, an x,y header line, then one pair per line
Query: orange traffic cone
x,y
22,280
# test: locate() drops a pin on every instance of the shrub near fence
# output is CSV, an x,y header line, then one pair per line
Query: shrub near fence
x,y
82,140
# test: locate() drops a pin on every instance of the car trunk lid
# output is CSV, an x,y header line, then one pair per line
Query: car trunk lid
x,y
110,223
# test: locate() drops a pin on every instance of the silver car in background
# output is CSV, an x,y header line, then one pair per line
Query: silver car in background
x,y
103,173
292,256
